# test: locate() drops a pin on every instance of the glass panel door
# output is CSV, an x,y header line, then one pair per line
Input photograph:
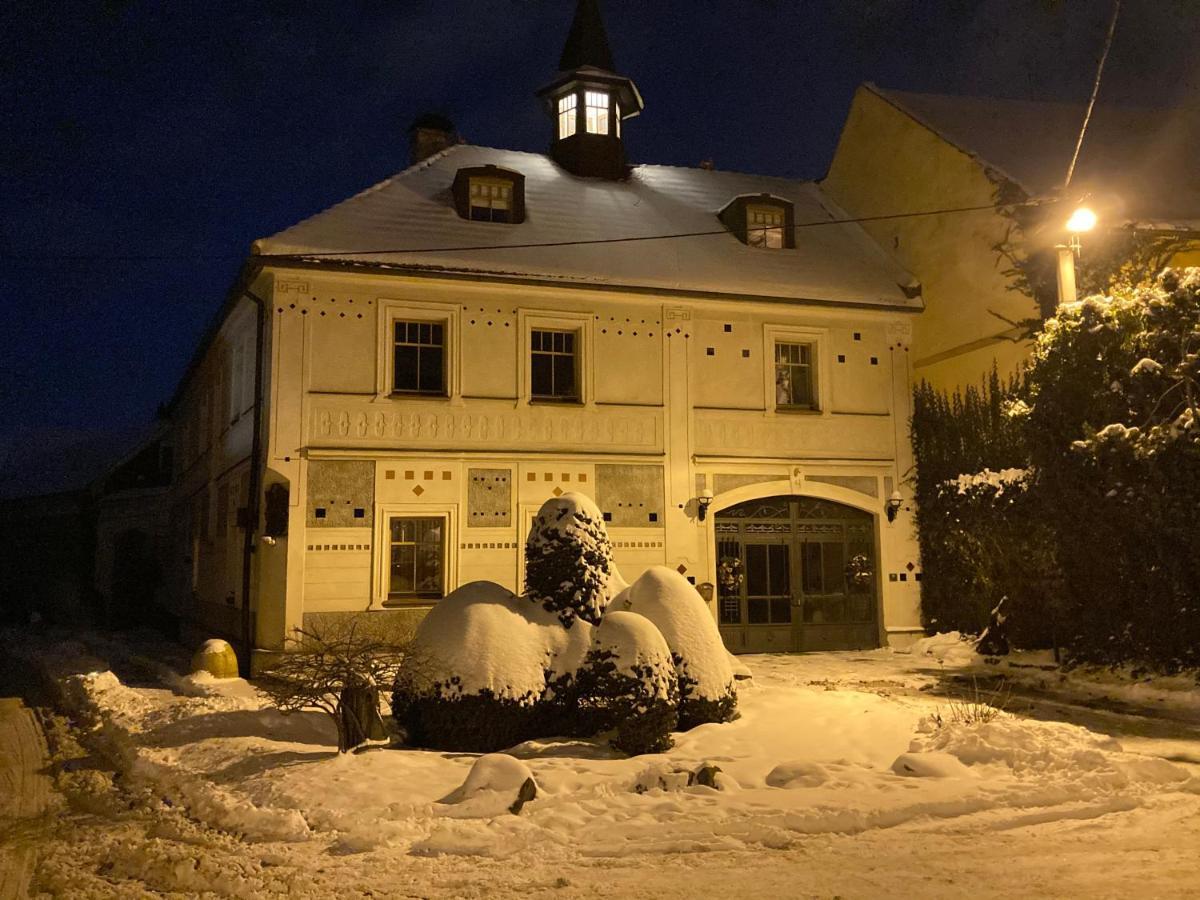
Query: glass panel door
x,y
768,584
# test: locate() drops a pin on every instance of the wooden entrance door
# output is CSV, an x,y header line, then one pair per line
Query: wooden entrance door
x,y
796,573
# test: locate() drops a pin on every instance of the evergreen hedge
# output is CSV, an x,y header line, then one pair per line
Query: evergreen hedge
x,y
1097,547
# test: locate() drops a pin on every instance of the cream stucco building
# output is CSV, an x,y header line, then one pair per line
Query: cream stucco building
x,y
904,152
397,383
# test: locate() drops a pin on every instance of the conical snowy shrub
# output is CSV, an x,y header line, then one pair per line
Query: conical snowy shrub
x,y
569,567
628,682
702,665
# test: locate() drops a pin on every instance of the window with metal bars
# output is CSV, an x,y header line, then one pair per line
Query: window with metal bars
x,y
419,358
554,366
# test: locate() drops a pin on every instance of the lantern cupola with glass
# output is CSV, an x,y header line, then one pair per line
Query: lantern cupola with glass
x,y
587,101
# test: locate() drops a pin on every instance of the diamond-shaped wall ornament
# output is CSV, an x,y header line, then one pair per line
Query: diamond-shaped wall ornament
x,y
557,492
418,490
910,567
681,568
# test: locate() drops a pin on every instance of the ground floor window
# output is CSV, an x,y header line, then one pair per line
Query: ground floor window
x,y
418,558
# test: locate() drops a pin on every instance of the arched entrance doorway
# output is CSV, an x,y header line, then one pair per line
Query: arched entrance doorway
x,y
796,573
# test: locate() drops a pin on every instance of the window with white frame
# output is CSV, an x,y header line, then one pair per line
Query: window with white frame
x,y
764,227
419,358
554,365
596,103
491,200
417,558
566,115
795,386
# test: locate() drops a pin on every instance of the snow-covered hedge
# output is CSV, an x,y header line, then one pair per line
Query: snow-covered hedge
x,y
628,682
705,676
488,669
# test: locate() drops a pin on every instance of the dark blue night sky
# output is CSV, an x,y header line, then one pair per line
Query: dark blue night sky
x,y
185,130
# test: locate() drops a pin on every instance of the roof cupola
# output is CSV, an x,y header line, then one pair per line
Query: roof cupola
x,y
588,100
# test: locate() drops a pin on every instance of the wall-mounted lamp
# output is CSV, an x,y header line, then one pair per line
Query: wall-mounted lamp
x,y
893,505
703,502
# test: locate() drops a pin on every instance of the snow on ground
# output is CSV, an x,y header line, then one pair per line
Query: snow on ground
x,y
828,747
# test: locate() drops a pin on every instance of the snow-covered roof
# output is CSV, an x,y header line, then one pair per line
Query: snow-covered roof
x,y
414,211
1137,163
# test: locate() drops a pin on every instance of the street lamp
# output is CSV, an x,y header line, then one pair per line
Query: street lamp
x,y
1083,219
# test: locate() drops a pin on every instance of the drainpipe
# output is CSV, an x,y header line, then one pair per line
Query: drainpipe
x,y
252,501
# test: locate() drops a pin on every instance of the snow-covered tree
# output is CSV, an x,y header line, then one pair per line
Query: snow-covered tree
x,y
568,560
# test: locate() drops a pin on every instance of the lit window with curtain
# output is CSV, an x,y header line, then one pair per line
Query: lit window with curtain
x,y
566,115
597,112
794,376
491,200
764,227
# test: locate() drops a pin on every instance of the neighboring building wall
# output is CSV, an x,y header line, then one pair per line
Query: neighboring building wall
x,y
212,429
886,163
678,395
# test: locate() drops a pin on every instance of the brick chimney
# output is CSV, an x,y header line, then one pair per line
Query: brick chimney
x,y
429,134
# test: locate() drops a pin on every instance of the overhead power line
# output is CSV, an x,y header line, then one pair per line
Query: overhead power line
x,y
324,254
1087,116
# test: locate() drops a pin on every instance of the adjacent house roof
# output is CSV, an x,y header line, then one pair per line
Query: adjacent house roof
x,y
413,210
1140,163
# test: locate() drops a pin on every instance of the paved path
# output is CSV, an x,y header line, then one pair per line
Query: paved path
x,y
24,793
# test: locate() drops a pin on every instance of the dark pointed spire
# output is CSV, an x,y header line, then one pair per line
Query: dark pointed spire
x,y
587,43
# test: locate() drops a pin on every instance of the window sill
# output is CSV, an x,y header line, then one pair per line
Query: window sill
x,y
415,395
555,401
798,410
409,602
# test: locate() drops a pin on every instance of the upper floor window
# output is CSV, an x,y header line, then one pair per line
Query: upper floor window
x,y
491,200
489,194
764,226
761,220
566,115
597,111
794,383
419,362
554,370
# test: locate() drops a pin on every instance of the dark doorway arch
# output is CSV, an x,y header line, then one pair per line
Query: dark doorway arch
x,y
135,577
796,573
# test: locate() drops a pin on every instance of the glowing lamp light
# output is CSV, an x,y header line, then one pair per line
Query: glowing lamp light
x,y
1083,219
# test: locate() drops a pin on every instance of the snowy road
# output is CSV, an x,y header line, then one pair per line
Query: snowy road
x,y
199,789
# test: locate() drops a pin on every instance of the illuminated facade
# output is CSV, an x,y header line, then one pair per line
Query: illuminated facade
x,y
414,407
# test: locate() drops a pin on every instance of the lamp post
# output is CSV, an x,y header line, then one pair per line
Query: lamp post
x,y
1083,219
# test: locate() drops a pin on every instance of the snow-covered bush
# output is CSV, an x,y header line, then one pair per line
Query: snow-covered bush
x,y
628,682
474,673
568,560
702,665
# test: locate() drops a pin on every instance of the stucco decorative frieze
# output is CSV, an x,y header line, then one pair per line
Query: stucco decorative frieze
x,y
752,434
346,423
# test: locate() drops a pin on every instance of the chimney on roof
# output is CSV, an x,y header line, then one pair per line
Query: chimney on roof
x,y
429,134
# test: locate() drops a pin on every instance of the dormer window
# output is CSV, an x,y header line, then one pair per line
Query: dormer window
x,y
596,103
762,221
491,200
566,115
489,194
764,227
